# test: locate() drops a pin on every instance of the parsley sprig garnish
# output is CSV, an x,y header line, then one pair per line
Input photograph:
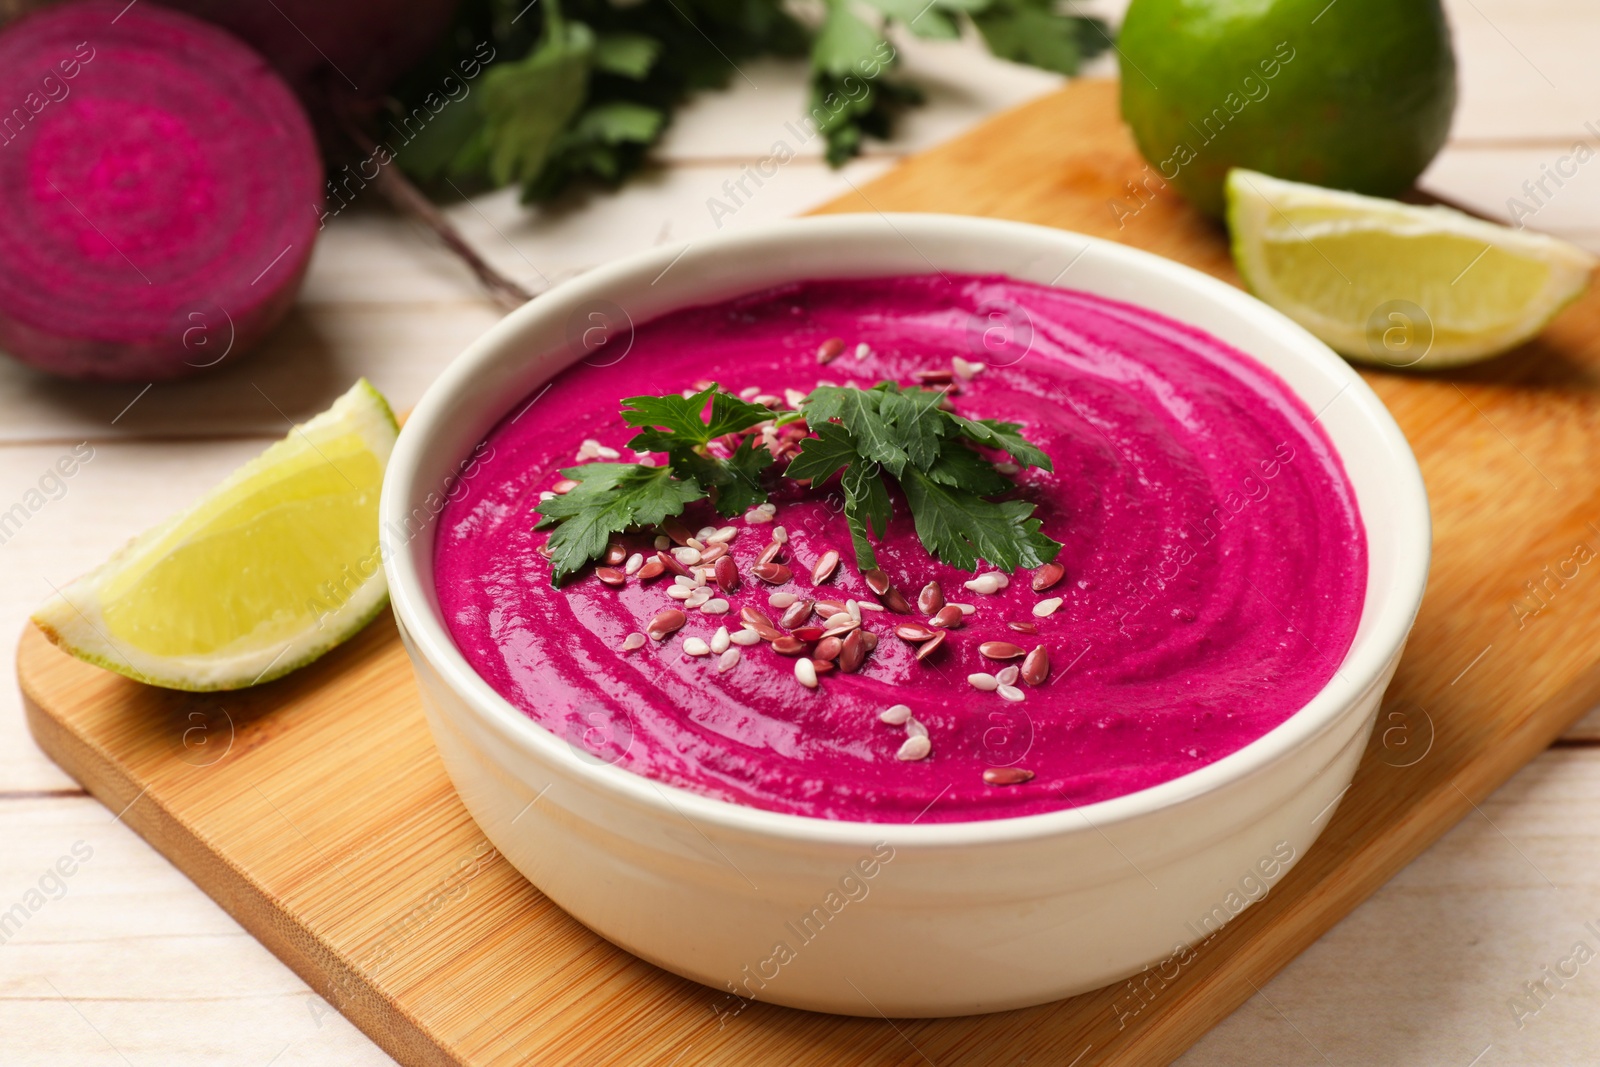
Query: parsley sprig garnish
x,y
871,438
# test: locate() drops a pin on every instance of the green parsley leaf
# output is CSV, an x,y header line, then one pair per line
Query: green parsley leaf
x,y
628,55
961,527
866,509
1031,32
676,425
681,419
609,498
1005,437
821,456
528,103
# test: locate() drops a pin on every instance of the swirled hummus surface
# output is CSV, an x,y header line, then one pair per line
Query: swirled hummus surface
x,y
1214,561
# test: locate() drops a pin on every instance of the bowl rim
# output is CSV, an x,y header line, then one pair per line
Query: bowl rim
x,y
1364,664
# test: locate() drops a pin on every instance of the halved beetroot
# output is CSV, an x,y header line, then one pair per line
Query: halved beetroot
x,y
162,192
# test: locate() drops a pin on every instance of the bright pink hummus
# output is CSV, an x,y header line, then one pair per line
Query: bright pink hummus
x,y
1215,562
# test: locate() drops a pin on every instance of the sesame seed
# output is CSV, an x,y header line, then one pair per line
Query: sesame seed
x,y
546,495
720,640
635,561
915,748
897,715
722,535
688,556
1046,608
1007,468
680,592
965,609
1011,693
780,535
633,641
867,605
746,637
805,672
703,533
606,452
1009,675
984,583
715,606
915,729
843,618
749,391
854,609
781,600
694,646
966,370
662,542
863,350
756,515
728,660
986,682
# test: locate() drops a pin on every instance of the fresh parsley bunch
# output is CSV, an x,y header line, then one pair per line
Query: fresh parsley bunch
x,y
578,90
871,438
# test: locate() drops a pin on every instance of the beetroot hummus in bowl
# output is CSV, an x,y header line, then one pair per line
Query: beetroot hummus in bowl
x,y
914,615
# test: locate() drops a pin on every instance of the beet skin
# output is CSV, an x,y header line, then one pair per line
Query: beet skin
x,y
162,193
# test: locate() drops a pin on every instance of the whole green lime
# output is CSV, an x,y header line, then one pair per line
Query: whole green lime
x,y
1348,94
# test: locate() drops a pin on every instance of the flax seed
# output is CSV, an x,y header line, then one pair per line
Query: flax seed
x,y
788,646
727,572
828,649
668,621
772,573
830,350
1007,775
1000,650
825,567
1047,576
931,599
930,646
1036,667
798,612
852,652
948,617
913,631
877,581
611,576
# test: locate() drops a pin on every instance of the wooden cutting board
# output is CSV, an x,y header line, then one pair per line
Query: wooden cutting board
x,y
316,811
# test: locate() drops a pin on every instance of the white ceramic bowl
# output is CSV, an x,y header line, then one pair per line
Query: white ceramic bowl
x,y
900,920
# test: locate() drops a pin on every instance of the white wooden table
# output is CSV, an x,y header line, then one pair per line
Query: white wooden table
x,y
128,963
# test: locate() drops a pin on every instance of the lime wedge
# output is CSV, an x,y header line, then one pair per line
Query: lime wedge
x,y
265,573
1395,284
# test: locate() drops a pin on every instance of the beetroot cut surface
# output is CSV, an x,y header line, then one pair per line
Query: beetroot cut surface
x,y
162,193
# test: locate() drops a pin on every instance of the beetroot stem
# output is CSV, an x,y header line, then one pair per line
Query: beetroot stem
x,y
409,200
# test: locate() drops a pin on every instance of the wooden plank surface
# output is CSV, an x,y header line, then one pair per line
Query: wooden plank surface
x,y
322,844
135,964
